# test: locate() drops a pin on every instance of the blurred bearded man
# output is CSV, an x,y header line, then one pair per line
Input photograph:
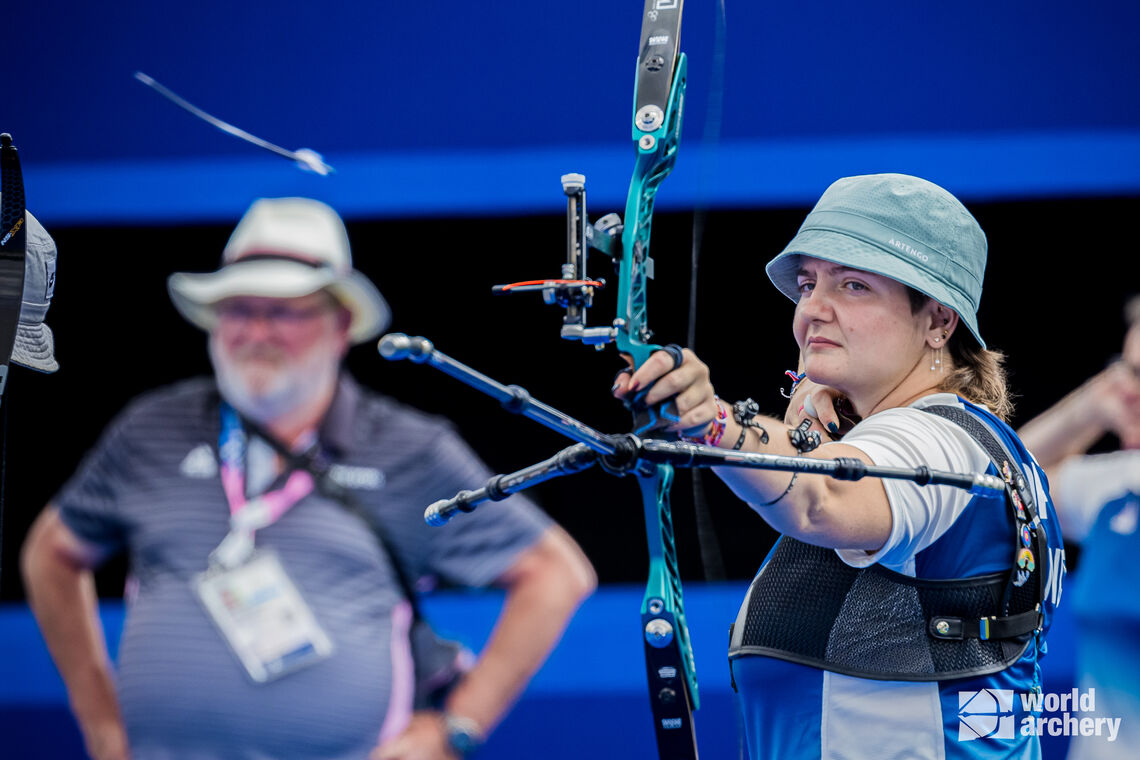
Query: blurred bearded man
x,y
273,518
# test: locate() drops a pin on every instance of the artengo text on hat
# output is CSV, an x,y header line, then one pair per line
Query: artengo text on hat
x,y
924,258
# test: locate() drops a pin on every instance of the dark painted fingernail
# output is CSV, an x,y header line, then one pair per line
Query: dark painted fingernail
x,y
833,427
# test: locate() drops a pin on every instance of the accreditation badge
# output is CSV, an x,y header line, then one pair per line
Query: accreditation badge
x,y
261,615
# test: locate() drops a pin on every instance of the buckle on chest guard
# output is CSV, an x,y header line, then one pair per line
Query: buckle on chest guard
x,y
947,628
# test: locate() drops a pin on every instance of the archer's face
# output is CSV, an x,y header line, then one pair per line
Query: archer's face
x,y
855,329
271,353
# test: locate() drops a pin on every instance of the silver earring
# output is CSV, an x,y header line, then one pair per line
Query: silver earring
x,y
936,354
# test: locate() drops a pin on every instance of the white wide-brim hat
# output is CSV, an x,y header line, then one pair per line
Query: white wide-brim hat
x,y
284,248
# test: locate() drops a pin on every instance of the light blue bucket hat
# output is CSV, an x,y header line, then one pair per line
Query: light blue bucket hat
x,y
901,227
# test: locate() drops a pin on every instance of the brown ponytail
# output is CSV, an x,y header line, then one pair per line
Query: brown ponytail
x,y
977,374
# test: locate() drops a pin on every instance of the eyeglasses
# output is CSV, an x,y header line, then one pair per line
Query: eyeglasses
x,y
241,312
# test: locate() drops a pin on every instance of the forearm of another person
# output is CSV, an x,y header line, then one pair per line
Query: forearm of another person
x,y
544,587
57,572
1107,402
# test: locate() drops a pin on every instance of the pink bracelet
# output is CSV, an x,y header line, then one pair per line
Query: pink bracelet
x,y
712,438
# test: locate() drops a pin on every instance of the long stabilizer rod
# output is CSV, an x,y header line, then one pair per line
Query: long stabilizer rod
x,y
681,454
396,346
634,451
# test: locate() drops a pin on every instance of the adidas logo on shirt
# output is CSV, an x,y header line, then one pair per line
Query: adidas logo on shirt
x,y
200,462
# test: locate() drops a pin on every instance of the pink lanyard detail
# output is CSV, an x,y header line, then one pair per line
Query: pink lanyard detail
x,y
274,503
266,509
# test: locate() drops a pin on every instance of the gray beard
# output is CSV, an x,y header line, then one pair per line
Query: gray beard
x,y
290,390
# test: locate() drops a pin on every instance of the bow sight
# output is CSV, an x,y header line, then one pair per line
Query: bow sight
x,y
574,290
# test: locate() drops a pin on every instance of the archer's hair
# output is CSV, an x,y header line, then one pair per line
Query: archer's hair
x,y
978,374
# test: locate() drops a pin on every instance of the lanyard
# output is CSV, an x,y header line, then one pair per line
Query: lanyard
x,y
247,516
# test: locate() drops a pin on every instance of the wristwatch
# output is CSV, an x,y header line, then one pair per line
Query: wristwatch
x,y
463,734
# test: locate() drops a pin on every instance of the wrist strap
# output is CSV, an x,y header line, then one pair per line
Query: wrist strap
x,y
791,483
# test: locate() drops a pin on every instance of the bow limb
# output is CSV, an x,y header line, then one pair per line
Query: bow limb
x,y
658,108
659,104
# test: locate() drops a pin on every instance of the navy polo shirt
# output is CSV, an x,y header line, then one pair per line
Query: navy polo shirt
x,y
151,487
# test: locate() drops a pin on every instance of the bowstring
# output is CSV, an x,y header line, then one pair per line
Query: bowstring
x,y
712,559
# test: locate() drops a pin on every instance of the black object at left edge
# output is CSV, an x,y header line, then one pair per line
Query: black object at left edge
x,y
13,246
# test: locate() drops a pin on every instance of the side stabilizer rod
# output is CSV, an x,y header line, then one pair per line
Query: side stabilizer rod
x,y
570,460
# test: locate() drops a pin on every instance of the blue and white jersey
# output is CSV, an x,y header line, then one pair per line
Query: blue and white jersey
x,y
796,711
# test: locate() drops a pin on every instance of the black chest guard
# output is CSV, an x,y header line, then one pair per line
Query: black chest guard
x,y
808,606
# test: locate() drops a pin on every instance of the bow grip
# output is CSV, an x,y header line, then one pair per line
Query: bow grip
x,y
648,418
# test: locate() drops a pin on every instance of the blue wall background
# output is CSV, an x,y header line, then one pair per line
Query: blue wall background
x,y
588,700
444,108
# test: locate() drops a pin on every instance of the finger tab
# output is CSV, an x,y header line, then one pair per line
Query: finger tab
x,y
676,353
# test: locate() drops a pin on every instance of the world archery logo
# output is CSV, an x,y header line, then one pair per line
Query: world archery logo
x,y
985,714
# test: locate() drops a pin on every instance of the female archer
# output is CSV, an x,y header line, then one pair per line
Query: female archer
x,y
890,619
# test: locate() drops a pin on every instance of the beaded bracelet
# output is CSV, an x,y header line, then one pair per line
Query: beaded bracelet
x,y
712,438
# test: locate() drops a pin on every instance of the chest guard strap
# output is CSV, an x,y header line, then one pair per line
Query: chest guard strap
x,y
808,606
